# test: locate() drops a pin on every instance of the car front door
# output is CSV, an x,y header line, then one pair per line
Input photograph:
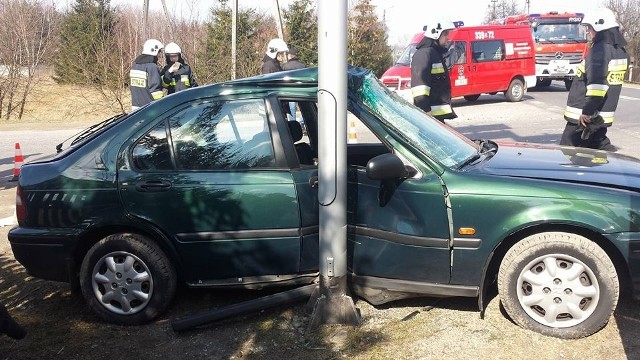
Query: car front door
x,y
209,177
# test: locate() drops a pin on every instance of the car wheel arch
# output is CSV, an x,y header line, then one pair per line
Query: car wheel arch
x,y
492,265
91,237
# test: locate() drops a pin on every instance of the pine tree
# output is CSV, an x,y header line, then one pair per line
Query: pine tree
x,y
302,25
252,36
85,43
367,45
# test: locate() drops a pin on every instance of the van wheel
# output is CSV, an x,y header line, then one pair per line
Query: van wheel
x,y
558,284
567,84
127,279
515,91
471,97
543,83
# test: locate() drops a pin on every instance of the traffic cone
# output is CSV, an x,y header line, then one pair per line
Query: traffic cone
x,y
17,163
352,136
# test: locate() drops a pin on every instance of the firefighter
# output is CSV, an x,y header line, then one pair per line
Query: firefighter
x,y
176,75
430,86
275,55
595,91
146,85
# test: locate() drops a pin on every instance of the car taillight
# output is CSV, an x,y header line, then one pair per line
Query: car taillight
x,y
21,210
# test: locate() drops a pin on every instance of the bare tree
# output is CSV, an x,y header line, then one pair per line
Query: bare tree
x,y
498,9
25,40
628,16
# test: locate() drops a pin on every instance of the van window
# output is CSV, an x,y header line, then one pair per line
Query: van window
x,y
407,55
484,51
457,54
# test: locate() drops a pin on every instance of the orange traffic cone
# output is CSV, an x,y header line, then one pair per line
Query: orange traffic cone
x,y
352,136
17,163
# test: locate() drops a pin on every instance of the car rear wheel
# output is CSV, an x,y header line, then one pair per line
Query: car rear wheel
x,y
558,284
567,84
127,279
515,92
472,97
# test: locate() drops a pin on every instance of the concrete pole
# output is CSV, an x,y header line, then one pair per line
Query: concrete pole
x,y
145,18
234,37
276,13
169,22
332,304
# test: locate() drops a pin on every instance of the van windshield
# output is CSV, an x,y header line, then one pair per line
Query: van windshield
x,y
407,54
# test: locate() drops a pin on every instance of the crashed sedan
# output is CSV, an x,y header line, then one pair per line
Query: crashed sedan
x,y
215,187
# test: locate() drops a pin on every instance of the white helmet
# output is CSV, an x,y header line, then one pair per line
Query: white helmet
x,y
172,48
600,19
275,46
152,47
436,30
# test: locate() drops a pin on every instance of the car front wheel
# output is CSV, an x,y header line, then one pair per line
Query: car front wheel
x,y
127,279
558,284
516,90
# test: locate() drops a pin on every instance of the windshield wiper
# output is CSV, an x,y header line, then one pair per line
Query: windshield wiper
x,y
470,160
89,131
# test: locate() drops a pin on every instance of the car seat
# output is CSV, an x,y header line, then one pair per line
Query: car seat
x,y
304,150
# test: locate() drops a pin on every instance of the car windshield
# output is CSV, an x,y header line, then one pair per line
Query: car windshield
x,y
557,33
429,136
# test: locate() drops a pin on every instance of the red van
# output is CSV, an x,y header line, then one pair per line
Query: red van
x,y
482,59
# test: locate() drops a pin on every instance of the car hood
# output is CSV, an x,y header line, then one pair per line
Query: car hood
x,y
577,165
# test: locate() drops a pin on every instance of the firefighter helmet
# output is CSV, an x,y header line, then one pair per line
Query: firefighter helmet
x,y
275,46
600,19
172,49
152,47
434,31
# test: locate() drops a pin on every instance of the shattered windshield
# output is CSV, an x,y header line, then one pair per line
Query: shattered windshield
x,y
428,135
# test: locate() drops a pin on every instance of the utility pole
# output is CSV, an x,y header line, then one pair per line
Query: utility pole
x,y
276,10
145,19
234,36
528,4
495,15
332,304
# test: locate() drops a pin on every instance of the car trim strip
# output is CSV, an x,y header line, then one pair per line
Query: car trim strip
x,y
400,238
466,243
397,285
237,235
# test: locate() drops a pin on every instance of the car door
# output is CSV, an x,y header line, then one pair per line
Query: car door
x,y
399,231
460,71
488,60
209,177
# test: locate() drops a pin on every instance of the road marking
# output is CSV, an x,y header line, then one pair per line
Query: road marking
x,y
629,98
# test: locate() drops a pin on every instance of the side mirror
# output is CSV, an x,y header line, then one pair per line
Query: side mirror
x,y
386,167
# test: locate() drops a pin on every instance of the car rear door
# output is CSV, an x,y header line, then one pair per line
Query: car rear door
x,y
211,178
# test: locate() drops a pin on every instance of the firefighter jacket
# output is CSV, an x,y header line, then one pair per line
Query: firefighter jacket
x,y
430,86
180,79
293,64
598,82
270,65
145,80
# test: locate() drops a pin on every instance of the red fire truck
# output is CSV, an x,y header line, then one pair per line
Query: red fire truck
x,y
559,44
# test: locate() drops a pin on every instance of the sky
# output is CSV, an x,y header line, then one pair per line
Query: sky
x,y
404,18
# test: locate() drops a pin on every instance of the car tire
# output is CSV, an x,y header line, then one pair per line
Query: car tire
x,y
543,83
127,279
472,97
558,273
515,92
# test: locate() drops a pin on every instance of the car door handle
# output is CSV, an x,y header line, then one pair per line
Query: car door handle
x,y
153,186
313,181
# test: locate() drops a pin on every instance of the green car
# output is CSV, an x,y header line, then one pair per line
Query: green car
x,y
214,187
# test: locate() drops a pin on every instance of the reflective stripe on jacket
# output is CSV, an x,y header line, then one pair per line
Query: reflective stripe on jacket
x,y
430,86
145,83
598,82
180,80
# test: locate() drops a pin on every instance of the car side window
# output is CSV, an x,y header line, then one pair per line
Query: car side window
x,y
457,54
222,135
151,152
484,51
214,135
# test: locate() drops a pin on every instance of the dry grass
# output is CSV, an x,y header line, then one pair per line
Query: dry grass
x,y
52,105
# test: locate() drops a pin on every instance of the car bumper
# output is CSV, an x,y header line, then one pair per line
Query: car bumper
x,y
45,253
